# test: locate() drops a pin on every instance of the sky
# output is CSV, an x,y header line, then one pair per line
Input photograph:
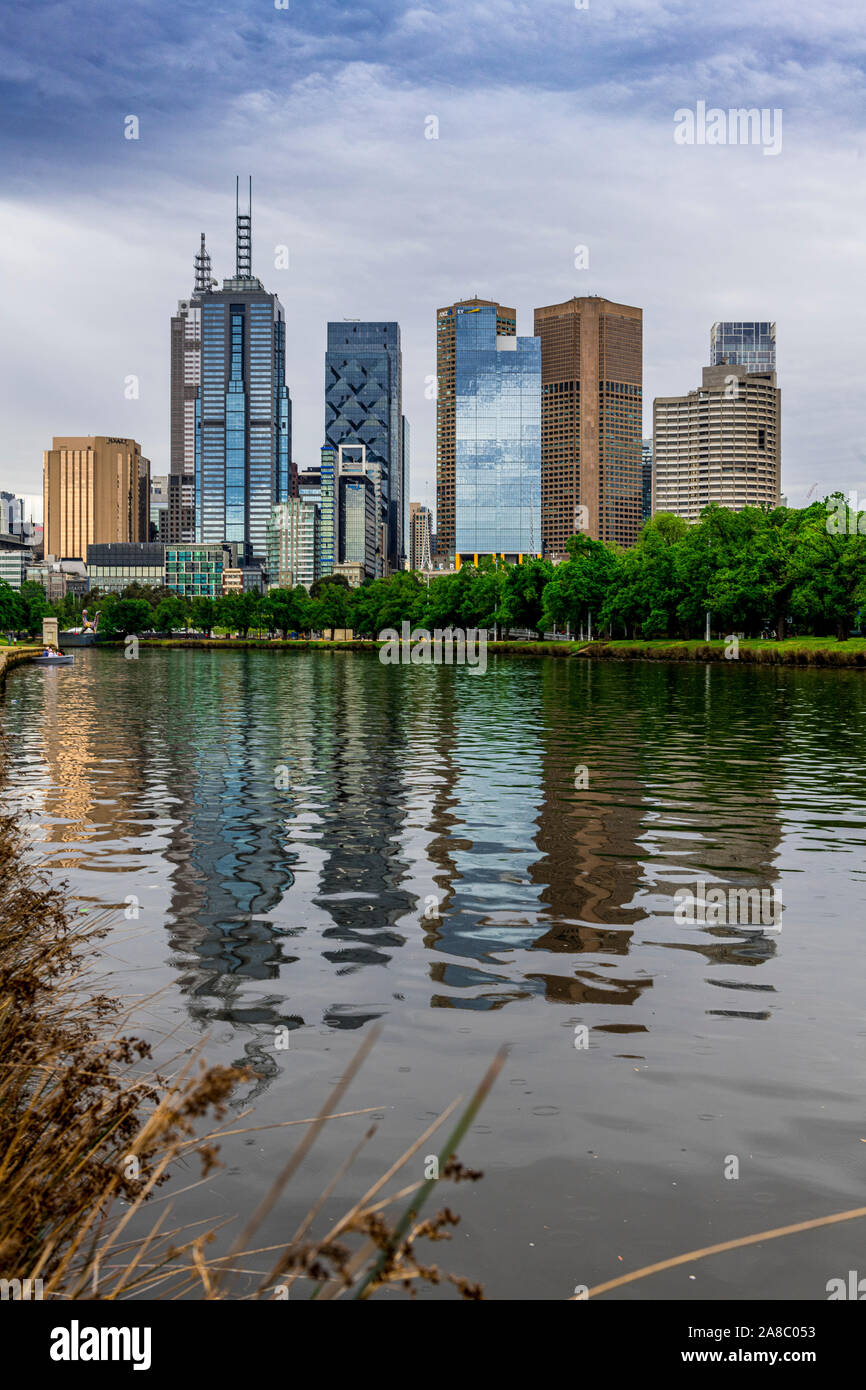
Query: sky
x,y
554,130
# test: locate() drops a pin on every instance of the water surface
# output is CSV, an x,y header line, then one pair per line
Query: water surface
x,y
314,840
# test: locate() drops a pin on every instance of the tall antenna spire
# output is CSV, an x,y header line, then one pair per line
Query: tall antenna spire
x,y
202,269
244,224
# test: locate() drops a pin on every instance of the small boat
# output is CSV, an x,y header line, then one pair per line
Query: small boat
x,y
55,659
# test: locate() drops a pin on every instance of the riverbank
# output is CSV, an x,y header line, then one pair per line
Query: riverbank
x,y
797,651
13,656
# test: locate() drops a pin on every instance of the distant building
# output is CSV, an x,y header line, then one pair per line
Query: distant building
x,y
96,491
591,415
420,537
353,574
720,443
14,563
193,570
750,344
646,479
243,580
115,567
356,509
363,407
21,517
159,507
59,578
294,543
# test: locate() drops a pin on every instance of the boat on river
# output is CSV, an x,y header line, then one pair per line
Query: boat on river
x,y
53,659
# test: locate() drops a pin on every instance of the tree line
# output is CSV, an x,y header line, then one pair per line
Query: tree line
x,y
783,570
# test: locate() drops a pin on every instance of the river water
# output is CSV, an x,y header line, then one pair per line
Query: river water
x,y
315,841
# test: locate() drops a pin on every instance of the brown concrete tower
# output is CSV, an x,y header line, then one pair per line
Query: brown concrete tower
x,y
591,374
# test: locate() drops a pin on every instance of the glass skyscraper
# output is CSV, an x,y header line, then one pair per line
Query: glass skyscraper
x,y
744,344
363,406
229,377
497,439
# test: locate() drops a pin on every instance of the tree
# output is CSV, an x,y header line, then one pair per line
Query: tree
x,y
202,612
171,613
523,594
578,587
11,608
319,585
34,606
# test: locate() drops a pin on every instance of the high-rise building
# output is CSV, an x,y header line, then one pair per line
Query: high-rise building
x,y
420,537
493,409
96,489
363,407
592,377
646,479
159,506
446,401
294,544
230,411
720,443
749,344
21,515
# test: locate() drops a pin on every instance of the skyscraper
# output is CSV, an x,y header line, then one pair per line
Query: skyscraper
x,y
497,438
363,407
420,537
446,398
96,490
646,479
231,411
720,443
750,344
592,376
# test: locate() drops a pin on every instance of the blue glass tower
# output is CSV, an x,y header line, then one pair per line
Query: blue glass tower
x,y
749,344
243,428
363,406
498,439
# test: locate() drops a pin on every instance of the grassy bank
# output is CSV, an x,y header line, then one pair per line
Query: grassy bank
x,y
796,651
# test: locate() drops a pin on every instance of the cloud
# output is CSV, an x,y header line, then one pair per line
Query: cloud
x,y
383,223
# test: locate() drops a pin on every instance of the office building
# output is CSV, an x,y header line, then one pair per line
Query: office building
x,y
230,406
159,507
420,537
646,479
495,483
96,490
14,562
446,401
294,543
114,567
749,344
720,443
356,510
363,408
193,570
591,364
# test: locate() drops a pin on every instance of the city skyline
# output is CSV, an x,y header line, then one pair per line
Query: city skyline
x,y
544,107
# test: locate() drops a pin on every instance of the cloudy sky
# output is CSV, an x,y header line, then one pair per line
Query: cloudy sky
x,y
555,130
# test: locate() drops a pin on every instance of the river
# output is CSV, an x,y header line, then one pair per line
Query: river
x,y
315,841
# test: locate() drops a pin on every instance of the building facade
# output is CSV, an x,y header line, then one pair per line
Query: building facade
x,y
96,490
446,413
750,344
363,407
420,537
646,479
294,544
720,443
592,384
356,511
197,570
231,411
114,567
497,435
14,563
